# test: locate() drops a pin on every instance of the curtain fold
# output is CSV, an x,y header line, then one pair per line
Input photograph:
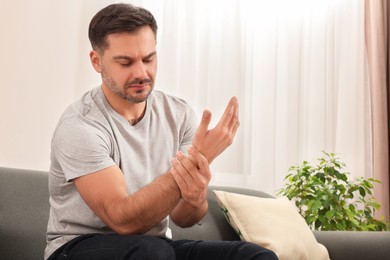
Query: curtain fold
x,y
297,68
377,49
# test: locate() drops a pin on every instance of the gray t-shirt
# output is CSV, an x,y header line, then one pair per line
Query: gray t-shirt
x,y
91,136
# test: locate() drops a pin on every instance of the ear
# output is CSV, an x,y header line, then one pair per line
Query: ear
x,y
96,60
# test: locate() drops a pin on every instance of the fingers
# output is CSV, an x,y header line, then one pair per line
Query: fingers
x,y
212,142
180,173
191,175
229,122
200,161
232,124
230,114
195,165
179,179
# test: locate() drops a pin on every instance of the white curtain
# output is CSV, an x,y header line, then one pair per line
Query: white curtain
x,y
297,67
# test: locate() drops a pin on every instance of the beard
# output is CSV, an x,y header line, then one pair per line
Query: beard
x,y
138,97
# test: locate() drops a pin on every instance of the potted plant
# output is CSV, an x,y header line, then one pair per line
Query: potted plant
x,y
328,200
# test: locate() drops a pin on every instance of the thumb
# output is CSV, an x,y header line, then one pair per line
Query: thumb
x,y
204,123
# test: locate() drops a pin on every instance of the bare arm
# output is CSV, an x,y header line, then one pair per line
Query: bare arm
x,y
106,194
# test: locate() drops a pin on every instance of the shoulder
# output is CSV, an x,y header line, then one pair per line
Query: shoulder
x,y
81,107
81,122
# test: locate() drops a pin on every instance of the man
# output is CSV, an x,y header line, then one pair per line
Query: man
x,y
112,181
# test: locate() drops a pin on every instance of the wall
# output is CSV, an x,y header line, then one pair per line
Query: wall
x,y
39,47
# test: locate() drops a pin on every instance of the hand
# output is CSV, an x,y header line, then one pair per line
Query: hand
x,y
213,142
192,176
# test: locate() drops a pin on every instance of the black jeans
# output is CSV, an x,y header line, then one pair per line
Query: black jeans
x,y
140,247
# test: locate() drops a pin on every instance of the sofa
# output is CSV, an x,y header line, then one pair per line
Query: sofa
x,y
24,211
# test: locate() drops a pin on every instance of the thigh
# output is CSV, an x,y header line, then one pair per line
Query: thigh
x,y
114,246
229,250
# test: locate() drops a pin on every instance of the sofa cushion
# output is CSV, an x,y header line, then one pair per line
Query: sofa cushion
x,y
271,223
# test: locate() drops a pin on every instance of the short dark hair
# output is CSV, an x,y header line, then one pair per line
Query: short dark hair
x,y
117,18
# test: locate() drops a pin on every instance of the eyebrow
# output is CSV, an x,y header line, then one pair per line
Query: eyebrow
x,y
124,57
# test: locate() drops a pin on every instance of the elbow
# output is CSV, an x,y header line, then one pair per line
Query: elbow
x,y
186,223
132,226
124,230
185,217
129,228
124,223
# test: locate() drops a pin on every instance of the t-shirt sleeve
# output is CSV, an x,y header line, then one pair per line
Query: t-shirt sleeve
x,y
80,148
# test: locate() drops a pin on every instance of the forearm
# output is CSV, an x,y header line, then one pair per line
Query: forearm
x,y
141,211
186,215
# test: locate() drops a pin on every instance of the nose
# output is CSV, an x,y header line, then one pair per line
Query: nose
x,y
139,70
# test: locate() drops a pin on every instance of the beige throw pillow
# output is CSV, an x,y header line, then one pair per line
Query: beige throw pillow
x,y
272,223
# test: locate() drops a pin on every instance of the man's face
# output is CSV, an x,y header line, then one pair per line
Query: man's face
x,y
128,65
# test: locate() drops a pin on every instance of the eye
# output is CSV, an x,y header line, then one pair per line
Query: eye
x,y
148,59
125,64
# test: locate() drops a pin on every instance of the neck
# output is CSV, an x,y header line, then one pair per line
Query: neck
x,y
132,112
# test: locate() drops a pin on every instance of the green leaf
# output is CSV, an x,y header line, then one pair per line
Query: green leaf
x,y
329,214
328,200
362,191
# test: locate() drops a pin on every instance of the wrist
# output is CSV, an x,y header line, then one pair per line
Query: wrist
x,y
208,158
172,184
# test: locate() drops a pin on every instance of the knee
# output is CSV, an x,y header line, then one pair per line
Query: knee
x,y
256,252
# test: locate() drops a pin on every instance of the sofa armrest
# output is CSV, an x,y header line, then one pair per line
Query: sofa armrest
x,y
356,245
